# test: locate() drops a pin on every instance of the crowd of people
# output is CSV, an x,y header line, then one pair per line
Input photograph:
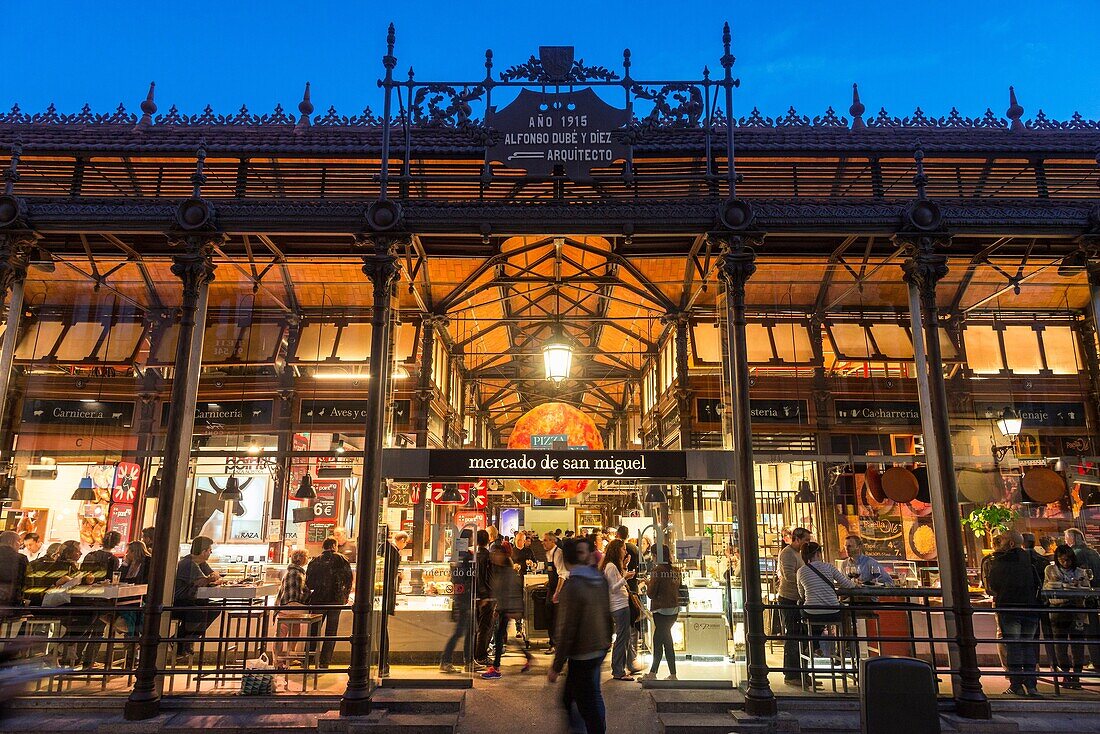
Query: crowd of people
x,y
1016,575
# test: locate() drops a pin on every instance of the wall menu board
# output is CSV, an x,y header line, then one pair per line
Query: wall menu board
x,y
317,532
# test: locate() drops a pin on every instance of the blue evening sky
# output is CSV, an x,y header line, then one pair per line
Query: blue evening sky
x,y
805,53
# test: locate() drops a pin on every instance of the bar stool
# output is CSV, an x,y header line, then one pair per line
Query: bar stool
x,y
309,654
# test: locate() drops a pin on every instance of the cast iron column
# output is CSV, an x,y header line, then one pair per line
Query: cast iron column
x,y
194,266
923,270
13,275
424,395
737,266
381,268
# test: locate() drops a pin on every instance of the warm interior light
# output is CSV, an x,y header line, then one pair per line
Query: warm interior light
x,y
1010,423
341,375
557,357
254,448
338,446
399,373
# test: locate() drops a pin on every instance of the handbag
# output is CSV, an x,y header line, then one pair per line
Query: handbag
x,y
635,608
258,682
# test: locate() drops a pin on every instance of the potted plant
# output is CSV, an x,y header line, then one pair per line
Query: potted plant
x,y
991,519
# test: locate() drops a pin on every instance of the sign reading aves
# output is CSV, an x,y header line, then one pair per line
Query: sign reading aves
x,y
541,131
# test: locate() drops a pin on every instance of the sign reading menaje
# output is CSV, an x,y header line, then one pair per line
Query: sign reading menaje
x,y
541,130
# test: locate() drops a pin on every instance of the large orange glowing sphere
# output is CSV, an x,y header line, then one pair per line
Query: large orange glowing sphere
x,y
546,422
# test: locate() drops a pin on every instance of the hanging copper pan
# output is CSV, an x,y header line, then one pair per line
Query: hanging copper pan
x,y
1043,486
900,485
873,477
980,486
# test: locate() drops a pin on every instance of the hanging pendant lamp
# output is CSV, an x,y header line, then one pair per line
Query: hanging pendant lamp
x,y
557,356
805,494
655,495
305,488
232,490
85,491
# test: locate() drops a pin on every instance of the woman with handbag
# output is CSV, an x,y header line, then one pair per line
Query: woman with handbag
x,y
1069,622
817,582
663,591
612,565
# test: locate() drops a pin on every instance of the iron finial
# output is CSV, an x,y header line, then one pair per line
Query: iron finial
x,y
857,109
626,60
488,61
1015,111
389,60
727,57
198,178
706,71
11,175
305,107
919,180
411,73
148,107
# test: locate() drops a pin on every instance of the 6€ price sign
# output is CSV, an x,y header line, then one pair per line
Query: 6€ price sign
x,y
324,510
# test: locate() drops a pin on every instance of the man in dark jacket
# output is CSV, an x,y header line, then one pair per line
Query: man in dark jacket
x,y
392,568
1012,582
13,574
483,596
582,639
328,578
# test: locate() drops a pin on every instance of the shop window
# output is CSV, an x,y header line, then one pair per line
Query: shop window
x,y
759,342
893,341
224,343
1022,350
1060,344
850,341
38,340
121,344
983,349
792,343
706,338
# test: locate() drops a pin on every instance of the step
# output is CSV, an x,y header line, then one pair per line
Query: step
x,y
419,700
696,723
406,724
442,681
701,701
688,685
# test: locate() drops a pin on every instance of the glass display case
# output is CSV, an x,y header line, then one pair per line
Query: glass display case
x,y
706,600
424,587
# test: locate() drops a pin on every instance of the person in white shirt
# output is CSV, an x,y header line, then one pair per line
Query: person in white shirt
x,y
817,582
612,565
32,546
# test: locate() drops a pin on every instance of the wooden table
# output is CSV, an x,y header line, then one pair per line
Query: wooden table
x,y
111,592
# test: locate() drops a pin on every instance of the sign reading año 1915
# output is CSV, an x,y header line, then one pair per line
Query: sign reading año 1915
x,y
542,130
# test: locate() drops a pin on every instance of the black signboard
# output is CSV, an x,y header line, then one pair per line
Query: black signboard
x,y
542,130
227,413
778,411
708,410
78,413
877,413
333,412
1043,415
402,411
560,464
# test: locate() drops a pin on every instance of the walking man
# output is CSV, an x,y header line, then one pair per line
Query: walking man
x,y
583,638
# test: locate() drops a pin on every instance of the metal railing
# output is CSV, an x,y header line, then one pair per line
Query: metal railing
x,y
1017,647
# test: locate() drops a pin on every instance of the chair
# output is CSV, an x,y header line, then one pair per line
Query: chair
x,y
308,654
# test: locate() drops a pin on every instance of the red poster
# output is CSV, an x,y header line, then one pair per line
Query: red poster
x,y
120,519
126,483
443,493
324,506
